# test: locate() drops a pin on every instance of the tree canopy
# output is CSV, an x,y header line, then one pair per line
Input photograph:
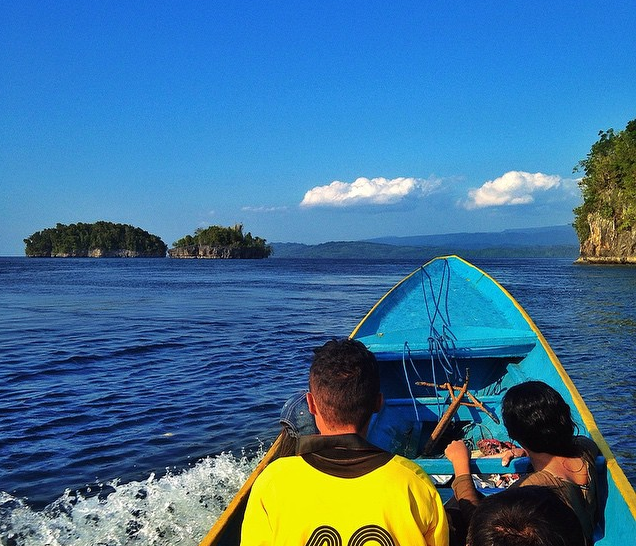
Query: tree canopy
x,y
224,236
81,239
609,181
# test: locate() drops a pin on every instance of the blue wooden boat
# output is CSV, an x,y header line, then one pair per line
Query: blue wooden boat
x,y
450,341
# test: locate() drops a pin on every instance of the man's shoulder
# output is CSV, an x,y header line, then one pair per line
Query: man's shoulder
x,y
407,463
282,465
408,467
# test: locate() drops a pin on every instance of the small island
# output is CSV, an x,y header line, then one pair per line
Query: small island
x,y
606,221
97,240
220,243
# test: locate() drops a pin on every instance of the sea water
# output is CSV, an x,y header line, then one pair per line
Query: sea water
x,y
137,395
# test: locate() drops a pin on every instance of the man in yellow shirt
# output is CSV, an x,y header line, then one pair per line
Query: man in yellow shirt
x,y
339,489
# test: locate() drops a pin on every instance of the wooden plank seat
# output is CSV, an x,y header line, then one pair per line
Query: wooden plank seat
x,y
464,342
428,407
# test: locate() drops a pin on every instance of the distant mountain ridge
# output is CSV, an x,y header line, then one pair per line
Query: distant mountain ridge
x,y
543,236
545,242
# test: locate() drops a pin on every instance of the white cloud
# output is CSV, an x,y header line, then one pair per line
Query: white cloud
x,y
368,191
513,188
263,209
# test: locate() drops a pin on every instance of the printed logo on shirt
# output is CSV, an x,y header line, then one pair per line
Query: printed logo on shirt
x,y
328,536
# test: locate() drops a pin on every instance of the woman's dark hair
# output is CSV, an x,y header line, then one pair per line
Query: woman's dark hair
x,y
537,417
345,381
525,516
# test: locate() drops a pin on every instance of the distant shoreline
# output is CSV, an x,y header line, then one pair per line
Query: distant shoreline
x,y
358,250
544,242
606,260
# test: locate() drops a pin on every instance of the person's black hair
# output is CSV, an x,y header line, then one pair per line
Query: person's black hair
x,y
524,516
345,381
536,416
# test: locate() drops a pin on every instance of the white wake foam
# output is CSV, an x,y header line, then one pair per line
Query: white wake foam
x,y
177,508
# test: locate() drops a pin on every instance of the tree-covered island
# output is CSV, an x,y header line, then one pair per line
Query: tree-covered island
x,y
220,242
97,240
606,221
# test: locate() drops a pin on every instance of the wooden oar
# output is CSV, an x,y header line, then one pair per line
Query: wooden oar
x,y
456,401
448,414
221,524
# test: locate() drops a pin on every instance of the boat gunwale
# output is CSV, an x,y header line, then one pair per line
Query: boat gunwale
x,y
618,478
617,474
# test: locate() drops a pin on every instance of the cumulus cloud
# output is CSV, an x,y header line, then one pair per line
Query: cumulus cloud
x,y
368,191
513,188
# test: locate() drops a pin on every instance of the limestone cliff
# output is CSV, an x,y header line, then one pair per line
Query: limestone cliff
x,y
607,244
606,220
101,253
217,252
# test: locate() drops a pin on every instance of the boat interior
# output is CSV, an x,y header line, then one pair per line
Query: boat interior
x,y
428,403
417,395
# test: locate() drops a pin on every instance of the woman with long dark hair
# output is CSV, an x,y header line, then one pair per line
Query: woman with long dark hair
x,y
540,421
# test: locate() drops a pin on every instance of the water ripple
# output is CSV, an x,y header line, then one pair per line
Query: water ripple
x,y
114,371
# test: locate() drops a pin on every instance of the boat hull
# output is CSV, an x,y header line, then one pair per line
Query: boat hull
x,y
449,319
446,326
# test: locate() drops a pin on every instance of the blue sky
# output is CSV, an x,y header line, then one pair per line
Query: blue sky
x,y
306,121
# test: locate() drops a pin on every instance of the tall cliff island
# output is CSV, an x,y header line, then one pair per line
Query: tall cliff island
x,y
221,243
98,240
606,221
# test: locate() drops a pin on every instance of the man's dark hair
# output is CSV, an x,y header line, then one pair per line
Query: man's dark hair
x,y
345,382
524,516
536,416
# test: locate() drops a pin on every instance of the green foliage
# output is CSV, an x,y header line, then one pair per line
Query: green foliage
x,y
224,236
608,185
80,239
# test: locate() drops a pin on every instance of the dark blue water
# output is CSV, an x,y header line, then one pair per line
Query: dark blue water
x,y
149,386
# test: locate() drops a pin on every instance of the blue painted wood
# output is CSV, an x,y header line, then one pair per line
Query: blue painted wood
x,y
449,317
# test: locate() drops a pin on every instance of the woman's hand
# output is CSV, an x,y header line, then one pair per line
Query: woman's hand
x,y
458,454
510,454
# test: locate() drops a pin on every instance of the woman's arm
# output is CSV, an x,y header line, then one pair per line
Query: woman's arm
x,y
463,486
510,454
458,454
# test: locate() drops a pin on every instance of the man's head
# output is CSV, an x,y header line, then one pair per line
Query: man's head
x,y
344,385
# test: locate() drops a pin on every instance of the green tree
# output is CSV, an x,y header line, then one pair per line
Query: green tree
x,y
608,185
232,236
81,239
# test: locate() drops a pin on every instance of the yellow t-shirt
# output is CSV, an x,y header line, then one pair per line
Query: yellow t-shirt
x,y
293,503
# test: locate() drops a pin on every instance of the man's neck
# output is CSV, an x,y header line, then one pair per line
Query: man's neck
x,y
327,429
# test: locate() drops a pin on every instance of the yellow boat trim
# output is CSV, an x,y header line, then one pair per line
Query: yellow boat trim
x,y
621,481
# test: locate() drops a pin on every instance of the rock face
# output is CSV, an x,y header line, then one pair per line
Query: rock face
x,y
606,244
216,252
99,253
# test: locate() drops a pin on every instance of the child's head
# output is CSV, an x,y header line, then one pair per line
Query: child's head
x,y
524,516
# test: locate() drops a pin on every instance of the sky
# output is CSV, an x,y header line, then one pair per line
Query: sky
x,y
305,121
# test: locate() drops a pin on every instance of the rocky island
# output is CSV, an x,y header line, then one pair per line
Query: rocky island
x,y
606,221
220,243
98,240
